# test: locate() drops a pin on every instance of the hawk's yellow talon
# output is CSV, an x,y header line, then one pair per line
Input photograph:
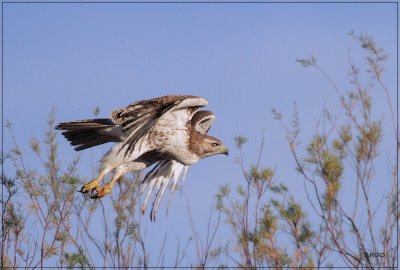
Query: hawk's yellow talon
x,y
92,184
100,192
88,186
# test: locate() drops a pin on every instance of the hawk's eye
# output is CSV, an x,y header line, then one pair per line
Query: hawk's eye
x,y
214,144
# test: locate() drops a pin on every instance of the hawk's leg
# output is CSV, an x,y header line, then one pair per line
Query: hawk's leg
x,y
92,184
101,191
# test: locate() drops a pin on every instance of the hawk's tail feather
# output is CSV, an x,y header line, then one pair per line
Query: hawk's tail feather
x,y
158,179
87,123
84,134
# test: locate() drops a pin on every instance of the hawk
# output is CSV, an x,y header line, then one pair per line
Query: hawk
x,y
169,132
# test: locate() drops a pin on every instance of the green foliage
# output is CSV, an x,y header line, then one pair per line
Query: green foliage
x,y
256,222
292,213
307,62
368,139
341,144
376,55
306,233
262,174
9,184
35,146
328,164
240,140
14,219
76,260
72,180
268,223
332,167
280,188
351,142
276,114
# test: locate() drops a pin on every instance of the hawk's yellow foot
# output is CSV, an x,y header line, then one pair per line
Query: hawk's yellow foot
x,y
100,192
92,184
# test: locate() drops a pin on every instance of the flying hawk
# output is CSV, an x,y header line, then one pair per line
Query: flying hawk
x,y
169,132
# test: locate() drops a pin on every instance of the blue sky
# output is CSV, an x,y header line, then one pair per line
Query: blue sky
x,y
241,57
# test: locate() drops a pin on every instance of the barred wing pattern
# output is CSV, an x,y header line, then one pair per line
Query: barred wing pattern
x,y
138,118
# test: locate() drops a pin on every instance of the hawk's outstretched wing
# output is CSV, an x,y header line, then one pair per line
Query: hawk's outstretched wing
x,y
131,124
138,118
165,171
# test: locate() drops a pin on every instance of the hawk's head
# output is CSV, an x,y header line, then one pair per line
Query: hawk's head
x,y
206,146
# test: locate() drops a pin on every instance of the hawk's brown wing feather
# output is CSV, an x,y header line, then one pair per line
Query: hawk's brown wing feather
x,y
202,121
139,117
